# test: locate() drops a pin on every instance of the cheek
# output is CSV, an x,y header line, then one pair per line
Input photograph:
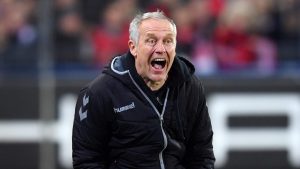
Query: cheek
x,y
144,56
142,62
171,50
172,54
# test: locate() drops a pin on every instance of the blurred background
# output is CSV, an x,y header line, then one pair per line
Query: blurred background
x,y
247,53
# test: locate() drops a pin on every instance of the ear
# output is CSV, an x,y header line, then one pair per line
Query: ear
x,y
132,48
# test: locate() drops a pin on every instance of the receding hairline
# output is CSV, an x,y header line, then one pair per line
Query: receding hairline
x,y
173,29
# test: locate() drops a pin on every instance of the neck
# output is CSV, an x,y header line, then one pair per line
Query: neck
x,y
154,85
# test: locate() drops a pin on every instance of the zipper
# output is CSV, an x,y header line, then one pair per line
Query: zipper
x,y
163,132
161,118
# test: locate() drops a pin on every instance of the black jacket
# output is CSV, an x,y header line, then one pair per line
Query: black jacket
x,y
119,124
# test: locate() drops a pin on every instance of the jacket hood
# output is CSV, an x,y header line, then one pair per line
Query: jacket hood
x,y
123,69
181,70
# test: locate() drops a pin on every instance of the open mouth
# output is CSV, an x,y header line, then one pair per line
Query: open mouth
x,y
158,63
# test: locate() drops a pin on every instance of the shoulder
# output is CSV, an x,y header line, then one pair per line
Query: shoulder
x,y
194,85
98,88
192,96
100,84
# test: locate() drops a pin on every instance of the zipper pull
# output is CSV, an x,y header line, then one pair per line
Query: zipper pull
x,y
161,118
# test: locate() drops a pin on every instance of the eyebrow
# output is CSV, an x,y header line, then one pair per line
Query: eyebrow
x,y
150,35
153,35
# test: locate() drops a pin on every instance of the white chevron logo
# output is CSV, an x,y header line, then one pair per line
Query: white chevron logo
x,y
85,101
82,115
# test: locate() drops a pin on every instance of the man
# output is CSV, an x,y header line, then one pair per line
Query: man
x,y
146,110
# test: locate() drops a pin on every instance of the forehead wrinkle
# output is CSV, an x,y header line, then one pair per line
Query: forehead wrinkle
x,y
149,30
156,25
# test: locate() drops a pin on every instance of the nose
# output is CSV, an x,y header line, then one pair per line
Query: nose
x,y
160,48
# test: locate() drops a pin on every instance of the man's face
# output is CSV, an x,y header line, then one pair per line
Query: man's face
x,y
155,50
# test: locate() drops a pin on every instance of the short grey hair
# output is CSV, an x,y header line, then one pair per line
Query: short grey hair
x,y
139,18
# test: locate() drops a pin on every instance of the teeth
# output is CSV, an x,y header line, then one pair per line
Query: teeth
x,y
159,59
158,63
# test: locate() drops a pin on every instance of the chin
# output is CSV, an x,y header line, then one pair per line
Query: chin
x,y
158,78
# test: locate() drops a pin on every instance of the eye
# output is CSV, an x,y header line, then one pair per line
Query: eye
x,y
151,41
168,41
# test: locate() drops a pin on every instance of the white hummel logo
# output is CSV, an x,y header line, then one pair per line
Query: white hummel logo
x,y
85,101
124,108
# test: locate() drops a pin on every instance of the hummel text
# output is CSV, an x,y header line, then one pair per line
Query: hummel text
x,y
124,108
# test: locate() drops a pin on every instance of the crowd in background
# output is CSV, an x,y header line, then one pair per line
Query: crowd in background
x,y
18,34
260,36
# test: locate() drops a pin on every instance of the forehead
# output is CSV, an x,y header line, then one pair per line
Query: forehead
x,y
156,25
